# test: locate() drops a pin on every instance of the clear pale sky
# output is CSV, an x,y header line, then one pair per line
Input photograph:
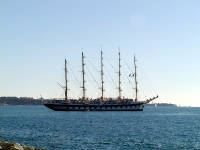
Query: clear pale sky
x,y
36,36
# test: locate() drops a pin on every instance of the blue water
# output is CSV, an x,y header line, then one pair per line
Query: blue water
x,y
161,128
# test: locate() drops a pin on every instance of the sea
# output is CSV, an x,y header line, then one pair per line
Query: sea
x,y
159,128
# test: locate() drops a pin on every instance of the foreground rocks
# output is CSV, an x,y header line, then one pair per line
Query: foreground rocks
x,y
16,146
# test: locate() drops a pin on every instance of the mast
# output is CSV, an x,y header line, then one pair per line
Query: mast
x,y
136,83
66,81
102,81
83,75
119,75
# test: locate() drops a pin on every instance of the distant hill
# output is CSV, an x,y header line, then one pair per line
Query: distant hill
x,y
41,101
21,101
161,104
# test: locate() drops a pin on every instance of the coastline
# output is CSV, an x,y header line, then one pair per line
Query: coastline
x,y
9,101
4,145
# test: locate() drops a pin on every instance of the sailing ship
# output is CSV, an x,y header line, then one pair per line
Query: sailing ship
x,y
102,103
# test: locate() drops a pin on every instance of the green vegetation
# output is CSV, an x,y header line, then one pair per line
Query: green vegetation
x,y
21,101
41,101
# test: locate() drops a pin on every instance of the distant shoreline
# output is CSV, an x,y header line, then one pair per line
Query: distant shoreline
x,y
4,101
23,101
161,104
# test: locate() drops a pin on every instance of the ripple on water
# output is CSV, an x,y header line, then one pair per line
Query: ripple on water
x,y
163,128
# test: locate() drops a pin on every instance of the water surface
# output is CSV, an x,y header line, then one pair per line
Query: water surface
x,y
161,128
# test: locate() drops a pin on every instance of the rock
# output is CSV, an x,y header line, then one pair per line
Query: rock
x,y
16,146
29,148
32,148
6,145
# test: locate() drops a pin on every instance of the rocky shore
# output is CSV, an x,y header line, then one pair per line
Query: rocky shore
x,y
4,145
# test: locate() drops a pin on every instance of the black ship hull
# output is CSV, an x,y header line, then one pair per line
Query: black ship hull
x,y
95,107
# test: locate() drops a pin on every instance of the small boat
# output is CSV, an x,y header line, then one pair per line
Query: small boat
x,y
102,103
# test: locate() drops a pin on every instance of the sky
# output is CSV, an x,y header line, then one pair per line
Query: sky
x,y
36,36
